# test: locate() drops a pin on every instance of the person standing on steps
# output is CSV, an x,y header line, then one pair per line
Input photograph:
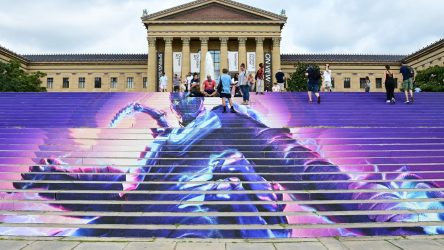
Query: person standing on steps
x,y
326,85
280,79
260,76
189,78
250,84
367,84
389,85
225,81
314,76
176,83
244,84
163,83
408,75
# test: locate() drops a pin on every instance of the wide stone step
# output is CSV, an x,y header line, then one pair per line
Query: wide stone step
x,y
197,153
227,227
425,175
240,182
175,193
190,221
212,214
404,202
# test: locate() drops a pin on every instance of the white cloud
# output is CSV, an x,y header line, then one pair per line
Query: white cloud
x,y
314,26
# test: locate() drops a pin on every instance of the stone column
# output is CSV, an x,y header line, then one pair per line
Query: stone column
x,y
242,51
259,51
152,65
185,57
169,62
203,57
276,56
223,53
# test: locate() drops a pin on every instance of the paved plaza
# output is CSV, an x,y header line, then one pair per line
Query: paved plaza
x,y
362,243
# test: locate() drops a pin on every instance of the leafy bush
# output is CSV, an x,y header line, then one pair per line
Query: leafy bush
x,y
15,79
298,81
431,79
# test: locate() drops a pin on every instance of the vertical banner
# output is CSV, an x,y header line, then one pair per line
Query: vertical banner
x,y
251,61
195,62
233,58
160,67
267,69
177,63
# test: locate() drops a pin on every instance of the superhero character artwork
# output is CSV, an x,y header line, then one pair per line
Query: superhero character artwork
x,y
219,164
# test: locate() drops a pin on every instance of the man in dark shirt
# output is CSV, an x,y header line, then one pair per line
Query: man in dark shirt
x,y
314,76
280,79
407,84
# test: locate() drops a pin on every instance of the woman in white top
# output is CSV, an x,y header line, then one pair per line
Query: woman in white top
x,y
163,83
189,78
327,86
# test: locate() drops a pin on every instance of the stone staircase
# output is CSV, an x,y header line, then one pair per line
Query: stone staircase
x,y
155,165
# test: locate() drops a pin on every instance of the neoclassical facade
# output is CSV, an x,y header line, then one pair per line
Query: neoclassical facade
x,y
178,42
217,26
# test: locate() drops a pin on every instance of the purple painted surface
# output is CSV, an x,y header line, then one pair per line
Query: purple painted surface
x,y
353,147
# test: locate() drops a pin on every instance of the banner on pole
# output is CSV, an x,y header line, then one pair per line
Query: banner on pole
x,y
233,58
160,66
251,61
177,62
268,64
195,62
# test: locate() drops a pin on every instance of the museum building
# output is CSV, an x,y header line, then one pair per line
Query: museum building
x,y
179,39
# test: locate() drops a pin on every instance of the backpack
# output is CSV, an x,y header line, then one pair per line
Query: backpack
x,y
412,72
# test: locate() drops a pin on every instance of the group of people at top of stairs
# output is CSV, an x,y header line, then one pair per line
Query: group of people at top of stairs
x,y
241,83
408,74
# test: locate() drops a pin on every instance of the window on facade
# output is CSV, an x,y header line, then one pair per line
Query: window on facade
x,y
333,82
81,82
49,83
113,84
65,83
145,82
362,83
97,82
396,83
129,83
347,83
215,54
379,83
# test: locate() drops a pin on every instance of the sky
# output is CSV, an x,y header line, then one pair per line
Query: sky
x,y
314,26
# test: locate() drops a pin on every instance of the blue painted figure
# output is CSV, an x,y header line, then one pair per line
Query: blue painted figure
x,y
176,162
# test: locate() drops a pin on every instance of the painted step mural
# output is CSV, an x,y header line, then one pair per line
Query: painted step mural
x,y
161,165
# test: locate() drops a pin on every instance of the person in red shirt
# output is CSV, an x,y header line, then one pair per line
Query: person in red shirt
x,y
210,86
260,75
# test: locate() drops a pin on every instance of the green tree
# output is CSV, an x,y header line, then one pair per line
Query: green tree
x,y
431,79
15,79
298,81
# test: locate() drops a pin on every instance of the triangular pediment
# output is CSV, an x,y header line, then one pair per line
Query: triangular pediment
x,y
214,10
